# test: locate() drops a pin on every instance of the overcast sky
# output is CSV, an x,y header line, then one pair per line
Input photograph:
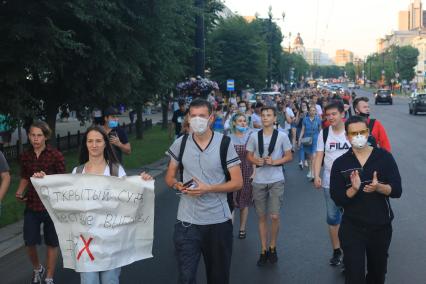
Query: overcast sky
x,y
330,24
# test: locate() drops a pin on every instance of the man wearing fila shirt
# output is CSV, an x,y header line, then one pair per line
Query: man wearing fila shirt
x,y
336,144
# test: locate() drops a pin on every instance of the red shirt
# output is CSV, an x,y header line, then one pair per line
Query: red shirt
x,y
50,161
379,133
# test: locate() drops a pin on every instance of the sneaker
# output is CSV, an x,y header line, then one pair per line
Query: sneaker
x,y
38,275
301,165
263,258
337,257
309,175
273,257
306,163
49,281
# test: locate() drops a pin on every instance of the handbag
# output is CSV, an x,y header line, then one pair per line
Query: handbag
x,y
307,141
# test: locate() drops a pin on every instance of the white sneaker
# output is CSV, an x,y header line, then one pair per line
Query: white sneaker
x,y
309,175
306,164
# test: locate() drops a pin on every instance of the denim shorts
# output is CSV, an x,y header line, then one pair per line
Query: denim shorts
x,y
334,213
32,222
268,197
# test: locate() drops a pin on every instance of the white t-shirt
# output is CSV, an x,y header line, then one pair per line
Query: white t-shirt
x,y
121,172
335,146
319,109
287,126
255,118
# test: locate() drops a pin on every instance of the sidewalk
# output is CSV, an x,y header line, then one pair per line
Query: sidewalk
x,y
11,236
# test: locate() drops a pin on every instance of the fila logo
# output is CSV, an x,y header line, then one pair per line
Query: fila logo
x,y
338,146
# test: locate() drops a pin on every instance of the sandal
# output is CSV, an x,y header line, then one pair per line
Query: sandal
x,y
242,235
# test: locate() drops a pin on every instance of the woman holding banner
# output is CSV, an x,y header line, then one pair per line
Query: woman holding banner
x,y
98,158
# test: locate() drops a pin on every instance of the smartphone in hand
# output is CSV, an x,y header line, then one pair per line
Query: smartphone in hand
x,y
190,184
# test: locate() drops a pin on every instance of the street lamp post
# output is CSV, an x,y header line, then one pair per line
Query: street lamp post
x,y
199,39
271,41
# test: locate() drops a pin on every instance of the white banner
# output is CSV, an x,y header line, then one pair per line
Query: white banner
x,y
102,222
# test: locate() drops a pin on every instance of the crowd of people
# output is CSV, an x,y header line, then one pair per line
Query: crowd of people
x,y
346,153
229,157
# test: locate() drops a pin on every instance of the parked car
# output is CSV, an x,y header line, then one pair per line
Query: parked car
x,y
417,103
383,96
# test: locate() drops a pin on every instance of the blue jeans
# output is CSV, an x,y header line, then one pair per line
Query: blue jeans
x,y
101,277
214,242
334,213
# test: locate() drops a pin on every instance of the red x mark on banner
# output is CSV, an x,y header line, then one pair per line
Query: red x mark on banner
x,y
86,247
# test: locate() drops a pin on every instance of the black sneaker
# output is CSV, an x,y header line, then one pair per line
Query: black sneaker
x,y
337,257
263,258
38,275
273,258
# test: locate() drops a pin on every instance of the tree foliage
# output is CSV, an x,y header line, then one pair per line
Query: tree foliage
x,y
93,53
401,60
238,51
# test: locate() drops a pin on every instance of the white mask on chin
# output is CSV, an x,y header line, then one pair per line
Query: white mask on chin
x,y
199,125
359,141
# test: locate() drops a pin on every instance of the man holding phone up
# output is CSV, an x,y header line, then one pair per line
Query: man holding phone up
x,y
204,219
268,182
117,136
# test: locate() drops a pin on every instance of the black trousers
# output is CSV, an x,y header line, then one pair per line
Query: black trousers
x,y
214,242
365,242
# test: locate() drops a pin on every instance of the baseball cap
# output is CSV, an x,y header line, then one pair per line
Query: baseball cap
x,y
110,111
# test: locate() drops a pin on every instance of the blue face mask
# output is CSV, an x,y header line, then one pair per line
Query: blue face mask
x,y
241,129
112,123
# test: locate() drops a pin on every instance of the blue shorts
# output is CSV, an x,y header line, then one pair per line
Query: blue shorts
x,y
334,213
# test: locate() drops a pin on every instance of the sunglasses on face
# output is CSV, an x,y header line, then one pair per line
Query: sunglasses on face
x,y
356,133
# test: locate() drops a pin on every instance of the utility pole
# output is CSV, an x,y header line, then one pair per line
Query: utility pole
x,y
199,39
270,48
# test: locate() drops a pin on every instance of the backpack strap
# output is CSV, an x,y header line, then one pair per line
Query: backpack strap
x,y
371,124
273,142
224,145
325,135
79,169
182,149
260,142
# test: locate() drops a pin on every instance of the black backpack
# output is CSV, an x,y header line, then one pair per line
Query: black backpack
x,y
224,145
271,146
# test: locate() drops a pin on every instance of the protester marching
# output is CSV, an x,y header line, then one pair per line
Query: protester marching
x,y
229,157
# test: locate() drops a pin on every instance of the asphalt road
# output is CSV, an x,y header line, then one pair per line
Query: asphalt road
x,y
303,247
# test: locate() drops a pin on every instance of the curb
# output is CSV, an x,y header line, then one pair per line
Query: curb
x,y
11,237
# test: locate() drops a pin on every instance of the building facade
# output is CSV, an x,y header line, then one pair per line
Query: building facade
x,y
343,56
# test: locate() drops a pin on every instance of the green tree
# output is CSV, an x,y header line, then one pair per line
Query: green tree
x,y
295,62
236,50
350,71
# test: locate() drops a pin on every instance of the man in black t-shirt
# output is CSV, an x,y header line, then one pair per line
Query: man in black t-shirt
x,y
117,136
178,118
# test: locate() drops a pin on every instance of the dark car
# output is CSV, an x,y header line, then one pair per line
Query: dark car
x,y
417,103
383,96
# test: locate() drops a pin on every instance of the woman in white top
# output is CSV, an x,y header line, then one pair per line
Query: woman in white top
x,y
98,158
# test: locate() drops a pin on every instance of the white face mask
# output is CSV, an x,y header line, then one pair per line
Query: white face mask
x,y
243,109
359,141
199,125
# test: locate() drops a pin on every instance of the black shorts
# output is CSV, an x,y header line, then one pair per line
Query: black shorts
x,y
32,222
